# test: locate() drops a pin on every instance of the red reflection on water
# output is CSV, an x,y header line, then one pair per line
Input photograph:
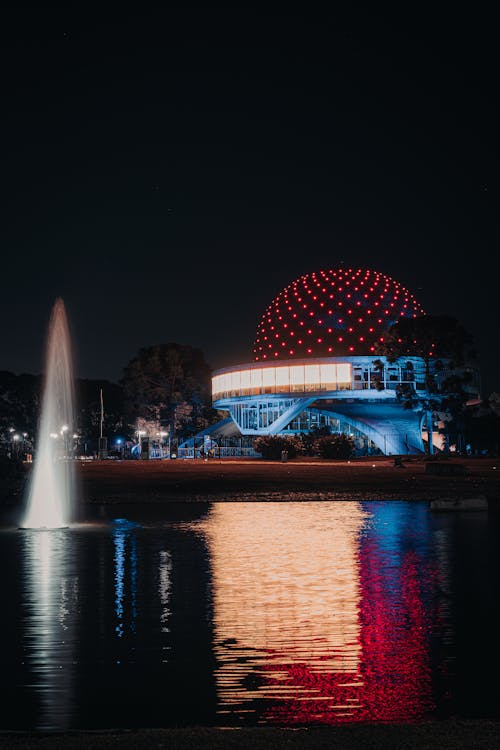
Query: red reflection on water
x,y
318,616
393,682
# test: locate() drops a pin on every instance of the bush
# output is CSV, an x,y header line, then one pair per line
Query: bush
x,y
270,446
335,446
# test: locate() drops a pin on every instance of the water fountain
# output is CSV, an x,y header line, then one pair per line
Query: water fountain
x,y
51,490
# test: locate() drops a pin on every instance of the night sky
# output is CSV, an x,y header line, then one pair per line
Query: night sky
x,y
168,173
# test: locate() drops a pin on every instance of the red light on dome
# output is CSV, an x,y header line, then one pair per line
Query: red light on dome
x,y
353,288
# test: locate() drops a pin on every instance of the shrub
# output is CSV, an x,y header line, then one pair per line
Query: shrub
x,y
270,446
335,446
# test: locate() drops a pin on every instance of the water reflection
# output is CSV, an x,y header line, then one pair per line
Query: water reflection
x,y
51,596
318,613
125,543
247,613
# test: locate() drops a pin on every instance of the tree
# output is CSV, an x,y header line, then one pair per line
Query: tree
x,y
169,384
449,357
20,397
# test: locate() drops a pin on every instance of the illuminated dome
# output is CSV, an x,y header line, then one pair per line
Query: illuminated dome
x,y
342,312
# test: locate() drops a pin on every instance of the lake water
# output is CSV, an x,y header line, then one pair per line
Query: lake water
x,y
237,613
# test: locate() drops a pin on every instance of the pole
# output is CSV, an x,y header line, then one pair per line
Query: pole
x,y
102,416
102,451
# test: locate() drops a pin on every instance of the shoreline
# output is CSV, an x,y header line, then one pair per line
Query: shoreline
x,y
257,480
450,734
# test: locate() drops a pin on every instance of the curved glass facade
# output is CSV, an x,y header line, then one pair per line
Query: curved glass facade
x,y
314,375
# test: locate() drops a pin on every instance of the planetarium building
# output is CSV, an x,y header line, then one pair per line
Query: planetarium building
x,y
316,365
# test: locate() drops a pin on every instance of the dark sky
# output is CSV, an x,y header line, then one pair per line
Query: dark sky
x,y
168,173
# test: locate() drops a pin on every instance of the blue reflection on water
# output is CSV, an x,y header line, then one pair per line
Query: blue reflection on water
x,y
149,624
122,536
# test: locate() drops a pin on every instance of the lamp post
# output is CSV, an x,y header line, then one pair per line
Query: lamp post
x,y
140,433
162,436
15,439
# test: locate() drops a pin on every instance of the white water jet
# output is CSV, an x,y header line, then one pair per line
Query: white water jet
x,y
51,491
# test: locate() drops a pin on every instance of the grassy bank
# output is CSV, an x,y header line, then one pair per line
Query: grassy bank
x,y
232,479
108,481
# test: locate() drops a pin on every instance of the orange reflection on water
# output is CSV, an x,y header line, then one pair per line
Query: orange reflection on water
x,y
286,601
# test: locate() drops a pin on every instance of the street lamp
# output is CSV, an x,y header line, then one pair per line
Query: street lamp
x,y
140,433
119,443
16,438
162,436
